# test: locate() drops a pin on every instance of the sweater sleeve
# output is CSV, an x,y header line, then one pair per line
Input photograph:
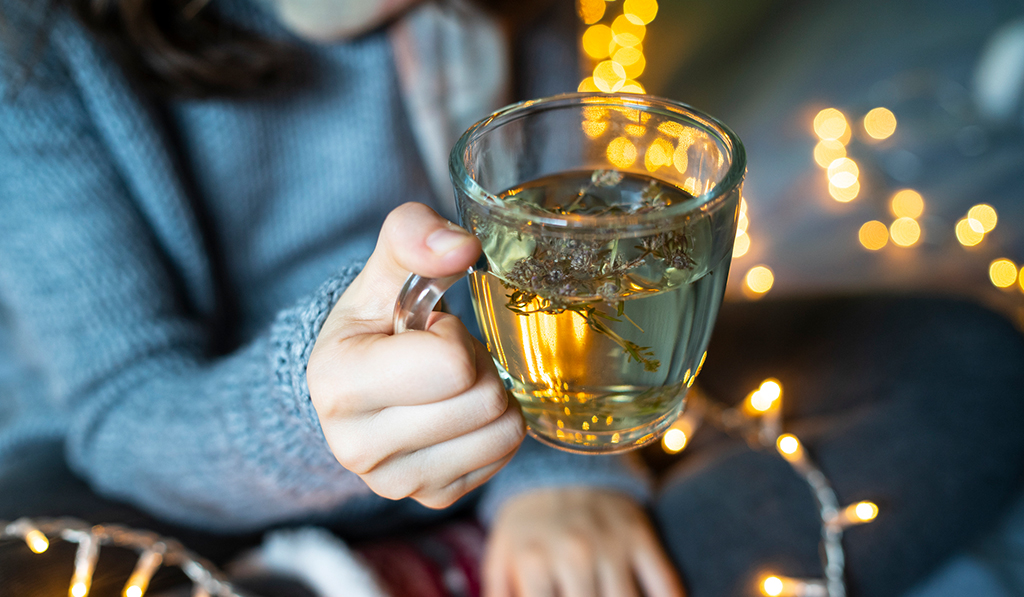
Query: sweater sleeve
x,y
228,442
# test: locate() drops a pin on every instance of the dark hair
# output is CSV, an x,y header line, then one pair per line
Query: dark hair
x,y
178,48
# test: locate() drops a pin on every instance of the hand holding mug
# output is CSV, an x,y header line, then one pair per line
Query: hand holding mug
x,y
421,414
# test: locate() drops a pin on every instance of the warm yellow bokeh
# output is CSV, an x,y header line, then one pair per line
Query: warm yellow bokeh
x,y
594,128
674,440
659,153
1002,272
828,151
635,130
640,12
772,586
596,41
967,235
590,11
905,232
37,541
864,511
907,203
632,61
609,76
741,245
672,129
681,157
985,215
874,235
830,124
78,589
759,279
587,86
788,444
843,173
844,195
621,152
742,222
880,123
133,591
631,86
626,33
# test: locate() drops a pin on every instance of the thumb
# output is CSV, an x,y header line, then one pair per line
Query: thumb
x,y
414,239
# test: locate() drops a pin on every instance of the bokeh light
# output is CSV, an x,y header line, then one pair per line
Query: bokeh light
x,y
741,245
865,511
594,128
844,195
632,61
985,216
597,40
79,589
133,591
967,235
827,151
627,33
590,11
759,279
588,85
1002,272
674,440
621,152
788,444
771,388
609,76
772,586
873,235
658,154
37,541
681,157
640,12
843,173
631,86
830,124
907,203
880,123
905,232
672,129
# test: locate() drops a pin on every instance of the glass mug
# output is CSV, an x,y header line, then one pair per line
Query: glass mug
x,y
607,223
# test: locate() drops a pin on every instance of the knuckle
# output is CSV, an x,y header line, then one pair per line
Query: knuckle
x,y
392,488
356,458
438,500
493,402
461,367
577,549
510,430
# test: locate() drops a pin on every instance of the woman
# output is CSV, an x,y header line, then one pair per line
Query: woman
x,y
190,195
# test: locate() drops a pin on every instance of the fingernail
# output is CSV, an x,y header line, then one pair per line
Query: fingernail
x,y
444,240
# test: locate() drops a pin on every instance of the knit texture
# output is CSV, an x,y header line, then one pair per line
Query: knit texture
x,y
165,268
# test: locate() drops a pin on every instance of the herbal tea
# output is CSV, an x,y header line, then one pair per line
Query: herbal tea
x,y
597,338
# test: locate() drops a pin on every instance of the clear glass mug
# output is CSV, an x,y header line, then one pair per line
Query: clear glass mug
x,y
607,223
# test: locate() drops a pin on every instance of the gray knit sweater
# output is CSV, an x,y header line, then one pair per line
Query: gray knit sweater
x,y
165,268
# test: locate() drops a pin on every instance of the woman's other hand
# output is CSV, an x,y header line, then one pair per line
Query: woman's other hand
x,y
576,542
421,414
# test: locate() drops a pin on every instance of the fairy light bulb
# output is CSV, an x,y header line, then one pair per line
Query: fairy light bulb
x,y
1003,273
830,124
144,570
772,586
880,123
36,541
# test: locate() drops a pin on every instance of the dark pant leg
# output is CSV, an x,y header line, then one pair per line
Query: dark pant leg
x,y
916,404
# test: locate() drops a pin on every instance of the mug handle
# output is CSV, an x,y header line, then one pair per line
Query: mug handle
x,y
419,295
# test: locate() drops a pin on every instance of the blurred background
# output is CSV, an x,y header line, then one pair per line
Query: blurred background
x,y
885,145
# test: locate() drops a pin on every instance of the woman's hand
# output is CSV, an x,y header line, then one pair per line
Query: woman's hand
x,y
421,414
576,542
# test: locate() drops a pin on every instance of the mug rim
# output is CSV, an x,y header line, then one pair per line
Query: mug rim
x,y
704,202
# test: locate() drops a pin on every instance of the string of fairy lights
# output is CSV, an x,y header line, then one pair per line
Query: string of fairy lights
x,y
758,420
154,551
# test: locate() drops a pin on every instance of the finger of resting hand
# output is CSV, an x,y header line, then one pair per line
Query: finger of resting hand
x,y
575,578
496,579
531,575
654,571
411,428
615,578
422,367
